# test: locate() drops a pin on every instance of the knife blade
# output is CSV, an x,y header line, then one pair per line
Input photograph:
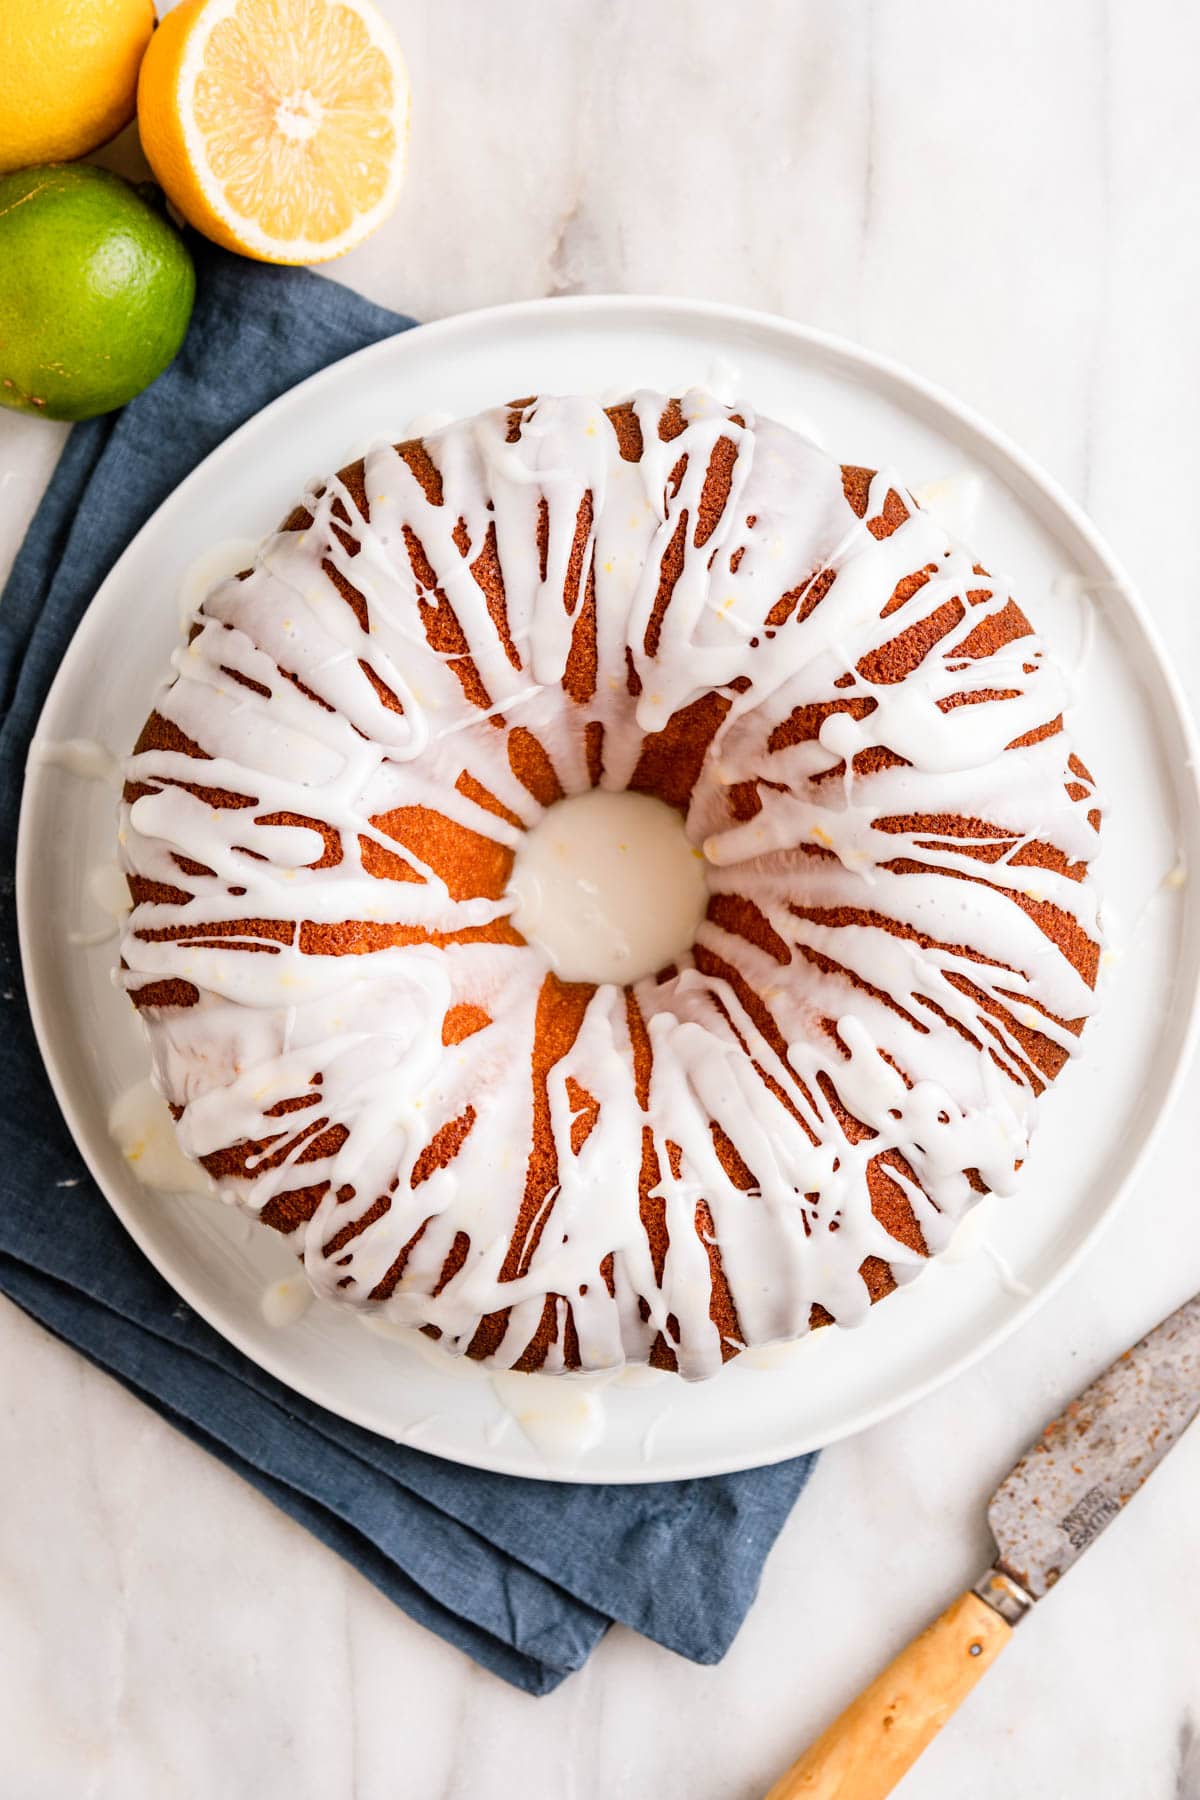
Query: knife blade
x,y
1068,1486
1090,1461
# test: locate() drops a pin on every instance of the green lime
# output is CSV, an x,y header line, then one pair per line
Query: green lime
x,y
96,290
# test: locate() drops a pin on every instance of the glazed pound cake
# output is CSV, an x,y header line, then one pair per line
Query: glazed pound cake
x,y
849,718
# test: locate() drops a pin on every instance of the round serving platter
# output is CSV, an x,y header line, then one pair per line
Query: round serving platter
x,y
1128,720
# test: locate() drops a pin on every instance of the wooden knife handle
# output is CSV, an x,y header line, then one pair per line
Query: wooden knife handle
x,y
880,1735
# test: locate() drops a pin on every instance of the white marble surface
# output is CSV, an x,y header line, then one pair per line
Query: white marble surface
x,y
1002,196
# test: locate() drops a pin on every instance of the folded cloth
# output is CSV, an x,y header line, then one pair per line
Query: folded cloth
x,y
525,1576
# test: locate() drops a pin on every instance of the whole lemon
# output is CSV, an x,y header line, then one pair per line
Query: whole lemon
x,y
96,291
68,75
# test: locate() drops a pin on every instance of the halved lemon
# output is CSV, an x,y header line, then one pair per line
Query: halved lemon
x,y
276,127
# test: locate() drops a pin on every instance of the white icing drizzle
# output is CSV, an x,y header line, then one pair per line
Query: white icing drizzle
x,y
907,965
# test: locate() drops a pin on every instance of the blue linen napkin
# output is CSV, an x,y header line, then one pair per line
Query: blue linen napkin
x,y
525,1576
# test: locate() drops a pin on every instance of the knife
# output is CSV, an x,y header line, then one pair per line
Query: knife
x,y
1066,1488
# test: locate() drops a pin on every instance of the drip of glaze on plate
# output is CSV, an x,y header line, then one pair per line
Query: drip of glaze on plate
x,y
765,1358
140,1124
285,1302
423,424
561,1418
1122,937
85,757
107,887
953,501
971,1239
212,566
1073,590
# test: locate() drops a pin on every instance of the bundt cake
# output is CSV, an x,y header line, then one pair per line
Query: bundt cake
x,y
856,724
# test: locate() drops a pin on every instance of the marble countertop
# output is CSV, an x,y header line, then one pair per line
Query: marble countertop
x,y
1003,198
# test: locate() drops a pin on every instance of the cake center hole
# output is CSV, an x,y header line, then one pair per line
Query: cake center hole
x,y
608,886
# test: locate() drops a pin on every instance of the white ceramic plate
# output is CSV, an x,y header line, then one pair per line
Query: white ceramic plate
x,y
1129,723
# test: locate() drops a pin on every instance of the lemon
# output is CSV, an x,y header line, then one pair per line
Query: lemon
x,y
68,75
277,127
96,290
